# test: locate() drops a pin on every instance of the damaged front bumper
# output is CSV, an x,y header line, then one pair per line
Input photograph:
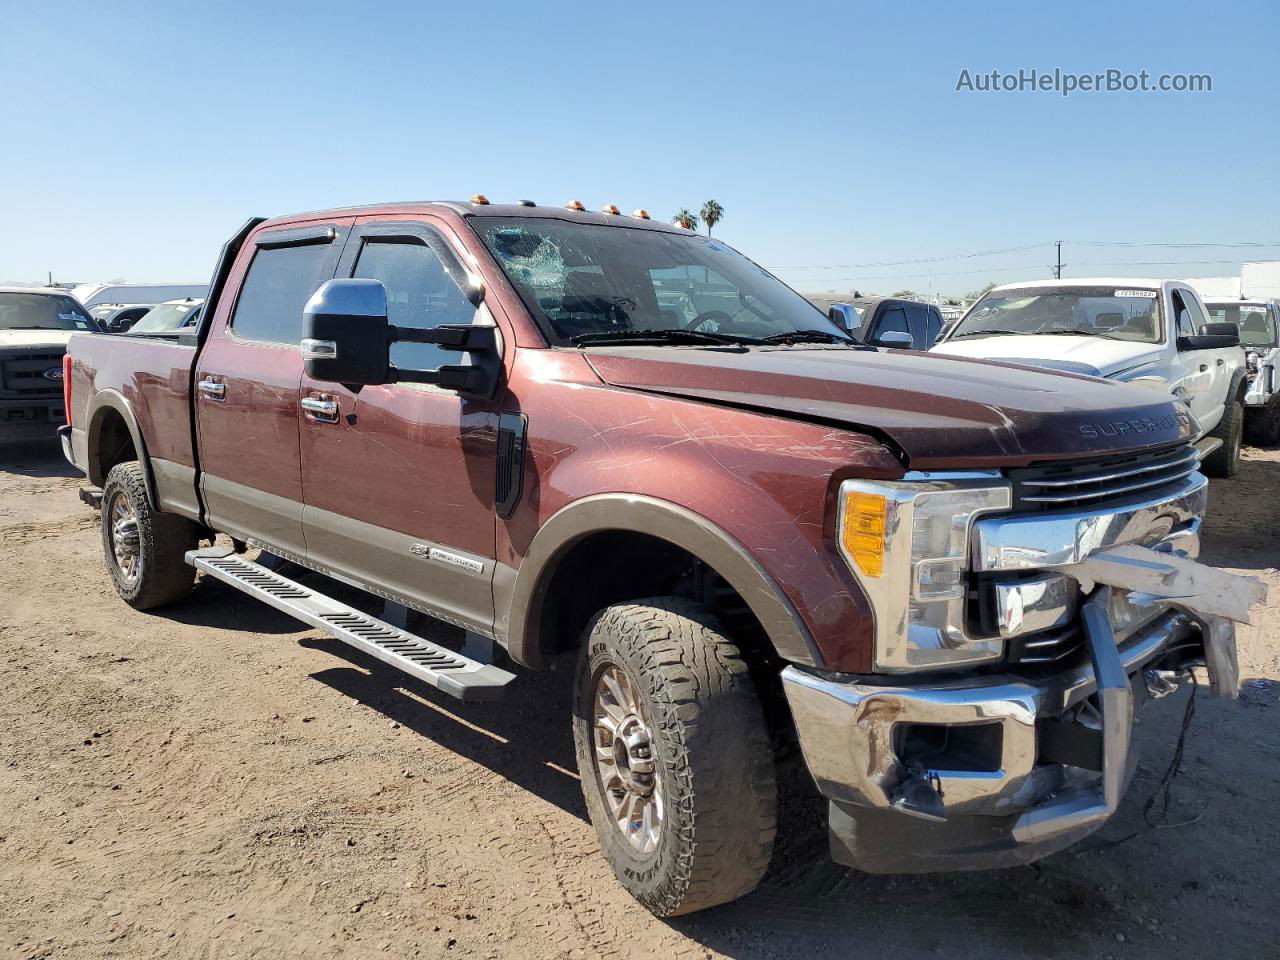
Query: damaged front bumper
x,y
990,771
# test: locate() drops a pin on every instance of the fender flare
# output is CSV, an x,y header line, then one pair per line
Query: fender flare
x,y
111,400
526,588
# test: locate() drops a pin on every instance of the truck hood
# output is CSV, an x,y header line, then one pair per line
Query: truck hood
x,y
940,412
35,338
1094,356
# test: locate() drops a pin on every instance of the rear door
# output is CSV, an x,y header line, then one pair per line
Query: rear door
x,y
247,381
399,479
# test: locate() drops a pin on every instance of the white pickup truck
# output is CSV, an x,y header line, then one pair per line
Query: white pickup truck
x,y
1258,320
1153,332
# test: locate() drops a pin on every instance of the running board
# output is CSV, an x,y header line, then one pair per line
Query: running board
x,y
1206,445
447,671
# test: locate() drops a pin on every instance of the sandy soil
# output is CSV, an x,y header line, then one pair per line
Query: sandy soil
x,y
212,781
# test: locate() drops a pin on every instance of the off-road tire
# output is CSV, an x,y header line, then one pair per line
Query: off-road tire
x,y
1225,461
1262,425
163,538
712,746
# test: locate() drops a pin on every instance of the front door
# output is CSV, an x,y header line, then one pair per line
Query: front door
x,y
246,389
399,480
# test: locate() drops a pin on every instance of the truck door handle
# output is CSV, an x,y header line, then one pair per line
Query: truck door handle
x,y
326,411
1204,367
1221,361
213,389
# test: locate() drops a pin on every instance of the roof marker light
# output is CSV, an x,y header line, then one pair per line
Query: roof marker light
x,y
480,200
641,214
610,208
574,205
526,203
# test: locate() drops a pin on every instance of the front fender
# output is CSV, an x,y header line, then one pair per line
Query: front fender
x,y
659,518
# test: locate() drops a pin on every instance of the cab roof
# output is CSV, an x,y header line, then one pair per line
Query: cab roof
x,y
479,210
1139,282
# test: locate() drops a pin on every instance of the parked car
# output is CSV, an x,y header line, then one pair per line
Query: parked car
x,y
118,317
35,325
1258,321
94,294
889,321
170,316
1152,332
745,528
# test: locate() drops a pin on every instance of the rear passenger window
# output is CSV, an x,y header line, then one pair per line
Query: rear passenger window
x,y
420,294
280,282
893,320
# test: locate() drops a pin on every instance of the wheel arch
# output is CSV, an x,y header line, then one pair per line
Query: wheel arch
x,y
523,593
112,413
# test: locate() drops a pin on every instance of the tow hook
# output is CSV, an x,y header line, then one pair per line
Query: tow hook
x,y
920,795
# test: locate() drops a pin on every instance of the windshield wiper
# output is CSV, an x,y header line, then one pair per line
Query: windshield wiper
x,y
696,337
1075,333
808,336
986,333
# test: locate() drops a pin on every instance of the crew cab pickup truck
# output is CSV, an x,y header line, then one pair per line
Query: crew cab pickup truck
x,y
1258,321
596,439
1155,333
35,325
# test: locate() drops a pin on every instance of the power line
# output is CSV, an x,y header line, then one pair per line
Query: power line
x,y
1133,243
902,263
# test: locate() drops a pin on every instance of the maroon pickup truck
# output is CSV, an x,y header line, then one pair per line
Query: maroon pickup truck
x,y
589,436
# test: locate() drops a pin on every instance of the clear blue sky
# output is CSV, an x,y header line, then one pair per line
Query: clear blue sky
x,y
137,137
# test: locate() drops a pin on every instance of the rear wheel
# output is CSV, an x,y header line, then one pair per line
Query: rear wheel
x,y
1262,426
674,755
143,548
1225,461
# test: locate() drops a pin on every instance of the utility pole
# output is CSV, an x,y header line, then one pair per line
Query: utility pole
x,y
1057,271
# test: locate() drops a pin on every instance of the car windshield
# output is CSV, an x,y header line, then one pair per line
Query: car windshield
x,y
42,311
591,282
1111,312
166,317
1257,324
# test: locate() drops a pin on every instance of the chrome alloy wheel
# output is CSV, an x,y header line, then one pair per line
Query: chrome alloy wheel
x,y
626,760
124,537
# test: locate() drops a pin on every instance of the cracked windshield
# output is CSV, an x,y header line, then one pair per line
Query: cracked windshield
x,y
587,283
1107,312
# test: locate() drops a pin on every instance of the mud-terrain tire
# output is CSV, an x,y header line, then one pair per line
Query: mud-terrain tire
x,y
1225,461
1262,425
713,772
154,541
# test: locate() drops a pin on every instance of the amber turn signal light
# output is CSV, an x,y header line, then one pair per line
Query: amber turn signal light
x,y
865,520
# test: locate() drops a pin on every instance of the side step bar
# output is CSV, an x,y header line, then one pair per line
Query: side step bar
x,y
1206,445
445,670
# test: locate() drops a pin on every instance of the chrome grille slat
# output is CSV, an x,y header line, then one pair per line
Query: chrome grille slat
x,y
1189,459
1114,491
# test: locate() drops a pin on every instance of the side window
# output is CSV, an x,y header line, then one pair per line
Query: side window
x,y
1186,325
892,320
918,317
278,285
1198,319
420,294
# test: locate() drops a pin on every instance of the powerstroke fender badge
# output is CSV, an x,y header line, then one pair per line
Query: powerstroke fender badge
x,y
444,556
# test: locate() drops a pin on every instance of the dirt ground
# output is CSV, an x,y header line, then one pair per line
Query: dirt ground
x,y
212,781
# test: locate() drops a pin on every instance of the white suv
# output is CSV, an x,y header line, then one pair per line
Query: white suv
x,y
1153,332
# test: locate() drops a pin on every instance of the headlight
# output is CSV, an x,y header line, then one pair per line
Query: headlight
x,y
907,543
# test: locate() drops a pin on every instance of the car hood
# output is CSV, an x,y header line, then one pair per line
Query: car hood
x,y
940,412
35,338
1095,356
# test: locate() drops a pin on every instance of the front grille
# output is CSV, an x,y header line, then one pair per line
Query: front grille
x,y
22,374
1090,483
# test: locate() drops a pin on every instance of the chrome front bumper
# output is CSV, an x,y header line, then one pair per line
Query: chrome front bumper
x,y
1016,808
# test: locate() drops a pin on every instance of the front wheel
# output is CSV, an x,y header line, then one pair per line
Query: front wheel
x,y
674,755
144,548
1225,461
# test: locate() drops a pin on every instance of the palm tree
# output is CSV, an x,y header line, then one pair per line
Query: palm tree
x,y
712,213
684,218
